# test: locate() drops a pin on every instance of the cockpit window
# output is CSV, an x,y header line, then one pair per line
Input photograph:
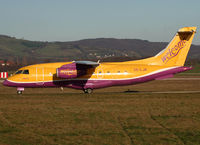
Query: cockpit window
x,y
18,72
22,71
26,72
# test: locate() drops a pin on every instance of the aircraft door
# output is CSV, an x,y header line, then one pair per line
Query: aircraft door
x,y
40,76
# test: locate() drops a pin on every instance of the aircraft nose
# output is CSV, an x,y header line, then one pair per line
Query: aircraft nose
x,y
7,83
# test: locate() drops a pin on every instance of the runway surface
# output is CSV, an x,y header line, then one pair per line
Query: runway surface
x,y
164,92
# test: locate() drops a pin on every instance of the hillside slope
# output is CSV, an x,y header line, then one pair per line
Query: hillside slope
x,y
23,50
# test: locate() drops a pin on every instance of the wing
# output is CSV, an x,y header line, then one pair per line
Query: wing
x,y
87,63
75,69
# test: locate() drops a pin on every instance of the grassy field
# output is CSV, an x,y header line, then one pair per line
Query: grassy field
x,y
141,114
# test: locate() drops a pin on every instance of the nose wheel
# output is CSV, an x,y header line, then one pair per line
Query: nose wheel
x,y
88,91
20,90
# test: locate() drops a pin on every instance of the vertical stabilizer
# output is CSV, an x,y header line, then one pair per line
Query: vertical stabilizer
x,y
176,52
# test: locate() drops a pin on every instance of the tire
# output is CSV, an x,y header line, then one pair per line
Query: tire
x,y
19,92
88,91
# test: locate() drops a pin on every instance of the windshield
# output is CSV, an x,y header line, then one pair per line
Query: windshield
x,y
18,72
25,72
22,71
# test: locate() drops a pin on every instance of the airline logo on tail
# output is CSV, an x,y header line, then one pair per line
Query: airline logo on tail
x,y
174,51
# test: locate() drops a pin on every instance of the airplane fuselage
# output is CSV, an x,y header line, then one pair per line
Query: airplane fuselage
x,y
105,75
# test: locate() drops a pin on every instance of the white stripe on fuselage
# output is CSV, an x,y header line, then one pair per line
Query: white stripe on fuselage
x,y
154,72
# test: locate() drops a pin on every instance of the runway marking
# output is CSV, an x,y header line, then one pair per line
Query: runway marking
x,y
177,79
176,92
162,92
190,73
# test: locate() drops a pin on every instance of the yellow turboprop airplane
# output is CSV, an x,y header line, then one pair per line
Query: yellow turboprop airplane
x,y
87,75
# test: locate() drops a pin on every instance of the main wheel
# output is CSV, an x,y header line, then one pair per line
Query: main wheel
x,y
88,91
19,92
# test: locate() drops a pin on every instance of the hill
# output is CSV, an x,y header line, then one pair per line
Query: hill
x,y
24,51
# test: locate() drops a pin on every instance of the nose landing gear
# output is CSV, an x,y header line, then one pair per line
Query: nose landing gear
x,y
20,90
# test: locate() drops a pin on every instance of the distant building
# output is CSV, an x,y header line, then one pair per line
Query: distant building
x,y
6,63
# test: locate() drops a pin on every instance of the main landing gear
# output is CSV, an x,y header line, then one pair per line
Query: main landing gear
x,y
88,91
20,90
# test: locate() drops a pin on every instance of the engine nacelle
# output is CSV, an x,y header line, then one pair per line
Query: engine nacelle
x,y
66,73
70,71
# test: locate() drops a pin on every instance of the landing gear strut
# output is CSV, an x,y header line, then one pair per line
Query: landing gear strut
x,y
88,91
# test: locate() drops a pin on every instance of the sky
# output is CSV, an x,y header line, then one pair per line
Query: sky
x,y
70,20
